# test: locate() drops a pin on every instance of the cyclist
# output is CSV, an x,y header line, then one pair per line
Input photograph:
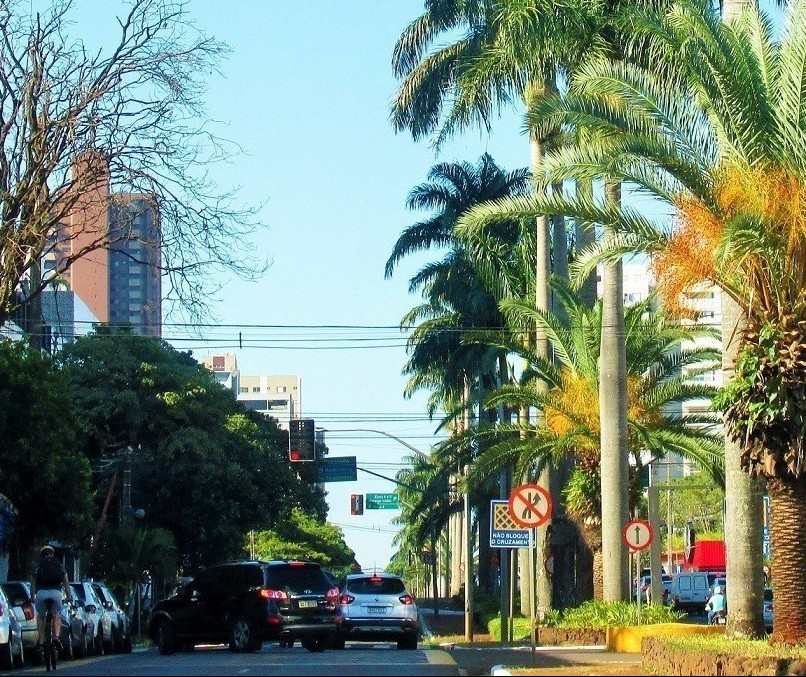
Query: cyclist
x,y
49,579
716,603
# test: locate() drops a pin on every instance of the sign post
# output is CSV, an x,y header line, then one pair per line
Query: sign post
x,y
530,505
637,536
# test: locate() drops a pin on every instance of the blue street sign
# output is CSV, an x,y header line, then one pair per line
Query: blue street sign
x,y
504,532
337,469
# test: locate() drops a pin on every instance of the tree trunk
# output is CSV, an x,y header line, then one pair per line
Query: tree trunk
x,y
613,422
590,585
744,505
585,237
788,543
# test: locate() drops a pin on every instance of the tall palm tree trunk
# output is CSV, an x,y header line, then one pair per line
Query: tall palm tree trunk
x,y
744,504
613,422
788,541
543,587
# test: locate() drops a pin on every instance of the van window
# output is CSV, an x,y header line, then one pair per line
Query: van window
x,y
685,582
700,583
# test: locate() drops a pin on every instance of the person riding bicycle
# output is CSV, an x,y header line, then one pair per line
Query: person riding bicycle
x,y
49,579
715,604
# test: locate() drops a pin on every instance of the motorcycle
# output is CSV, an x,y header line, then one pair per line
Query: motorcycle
x,y
719,618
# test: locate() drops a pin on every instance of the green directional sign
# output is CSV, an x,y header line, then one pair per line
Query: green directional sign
x,y
382,502
337,469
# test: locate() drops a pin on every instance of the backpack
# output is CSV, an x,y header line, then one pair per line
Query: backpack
x,y
49,574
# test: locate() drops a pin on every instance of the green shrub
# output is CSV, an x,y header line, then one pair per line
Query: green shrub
x,y
593,614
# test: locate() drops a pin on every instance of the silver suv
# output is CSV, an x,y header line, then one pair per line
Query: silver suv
x,y
377,607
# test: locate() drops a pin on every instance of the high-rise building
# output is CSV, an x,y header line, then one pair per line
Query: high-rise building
x,y
279,397
115,241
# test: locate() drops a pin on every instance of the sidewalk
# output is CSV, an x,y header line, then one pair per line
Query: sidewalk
x,y
487,657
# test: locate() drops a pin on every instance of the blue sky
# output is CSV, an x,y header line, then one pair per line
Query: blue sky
x,y
306,93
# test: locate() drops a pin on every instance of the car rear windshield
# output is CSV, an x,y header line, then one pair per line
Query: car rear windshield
x,y
768,594
297,579
17,596
382,586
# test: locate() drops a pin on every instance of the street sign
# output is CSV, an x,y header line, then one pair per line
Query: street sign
x,y
504,531
382,502
530,505
337,469
637,535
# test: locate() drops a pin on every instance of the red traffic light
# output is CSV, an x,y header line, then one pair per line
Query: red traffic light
x,y
356,504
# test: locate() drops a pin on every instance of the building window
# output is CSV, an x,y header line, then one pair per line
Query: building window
x,y
243,389
255,389
281,389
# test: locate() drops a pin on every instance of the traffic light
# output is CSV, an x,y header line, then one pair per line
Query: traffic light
x,y
356,504
301,442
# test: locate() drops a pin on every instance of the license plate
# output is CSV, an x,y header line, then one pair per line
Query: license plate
x,y
307,604
376,609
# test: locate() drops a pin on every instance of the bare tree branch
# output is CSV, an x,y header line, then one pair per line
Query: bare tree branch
x,y
139,105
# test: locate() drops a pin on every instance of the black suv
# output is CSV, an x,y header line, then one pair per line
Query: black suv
x,y
247,603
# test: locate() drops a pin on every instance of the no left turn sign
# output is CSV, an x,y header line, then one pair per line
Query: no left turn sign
x,y
637,535
530,505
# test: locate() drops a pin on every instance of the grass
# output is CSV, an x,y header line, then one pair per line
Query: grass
x,y
746,647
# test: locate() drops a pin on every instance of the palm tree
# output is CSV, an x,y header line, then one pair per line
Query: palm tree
x,y
723,146
455,299
659,377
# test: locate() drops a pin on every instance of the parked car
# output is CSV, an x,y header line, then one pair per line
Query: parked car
x,y
645,588
248,603
12,652
19,596
120,639
377,607
97,618
767,608
73,632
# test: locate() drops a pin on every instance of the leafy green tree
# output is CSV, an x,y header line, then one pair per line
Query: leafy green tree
x,y
303,536
43,472
202,466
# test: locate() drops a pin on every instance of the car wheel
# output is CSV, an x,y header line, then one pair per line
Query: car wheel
x,y
286,642
127,644
100,646
7,655
84,649
20,660
338,642
407,642
68,652
242,636
315,644
166,642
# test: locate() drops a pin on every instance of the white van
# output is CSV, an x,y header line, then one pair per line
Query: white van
x,y
691,589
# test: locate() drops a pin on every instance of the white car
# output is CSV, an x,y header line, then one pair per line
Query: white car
x,y
377,607
11,650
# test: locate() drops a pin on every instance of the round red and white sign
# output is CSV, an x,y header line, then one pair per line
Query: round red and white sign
x,y
637,535
530,505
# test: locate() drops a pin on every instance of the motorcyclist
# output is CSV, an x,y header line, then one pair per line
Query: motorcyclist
x,y
715,604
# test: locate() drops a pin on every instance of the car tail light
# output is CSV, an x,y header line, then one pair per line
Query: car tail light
x,y
297,564
333,593
406,599
28,610
644,586
346,599
676,599
266,593
376,579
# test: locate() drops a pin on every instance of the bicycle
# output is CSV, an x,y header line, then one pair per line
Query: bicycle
x,y
49,647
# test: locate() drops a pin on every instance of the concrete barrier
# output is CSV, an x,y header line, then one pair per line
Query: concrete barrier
x,y
627,639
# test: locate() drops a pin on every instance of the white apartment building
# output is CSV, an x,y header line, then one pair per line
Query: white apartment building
x,y
277,396
706,302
